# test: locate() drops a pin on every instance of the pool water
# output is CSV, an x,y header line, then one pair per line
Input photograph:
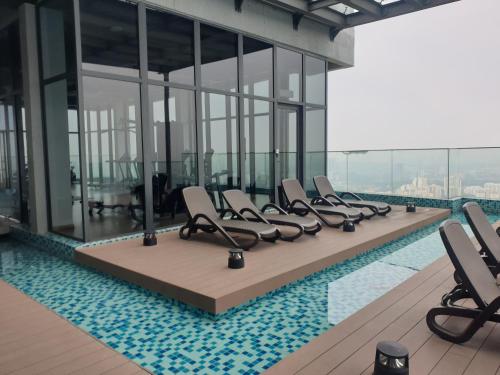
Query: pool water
x,y
167,337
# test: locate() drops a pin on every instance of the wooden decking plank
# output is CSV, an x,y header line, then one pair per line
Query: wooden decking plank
x,y
36,340
125,369
363,357
196,273
310,352
487,360
335,355
49,363
458,357
81,362
102,366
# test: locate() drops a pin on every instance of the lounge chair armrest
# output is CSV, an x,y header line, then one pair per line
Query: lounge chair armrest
x,y
338,199
255,214
274,206
233,213
348,193
321,200
299,201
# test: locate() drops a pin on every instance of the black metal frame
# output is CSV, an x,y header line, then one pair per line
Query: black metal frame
x,y
192,226
261,217
485,310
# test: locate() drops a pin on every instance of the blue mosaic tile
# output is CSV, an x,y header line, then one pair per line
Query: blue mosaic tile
x,y
167,337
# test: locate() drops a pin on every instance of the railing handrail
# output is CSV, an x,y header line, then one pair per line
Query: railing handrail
x,y
417,149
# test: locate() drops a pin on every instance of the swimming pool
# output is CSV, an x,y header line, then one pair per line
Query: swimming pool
x,y
166,337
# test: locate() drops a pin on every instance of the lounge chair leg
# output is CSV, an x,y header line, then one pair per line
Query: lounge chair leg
x,y
295,236
314,231
478,318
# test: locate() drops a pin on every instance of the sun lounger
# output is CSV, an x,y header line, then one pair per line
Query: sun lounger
x,y
485,235
325,189
327,212
478,285
203,216
238,201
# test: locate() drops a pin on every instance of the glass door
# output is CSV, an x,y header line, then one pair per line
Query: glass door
x,y
288,145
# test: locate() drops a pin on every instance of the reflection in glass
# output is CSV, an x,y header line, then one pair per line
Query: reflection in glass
x,y
170,48
114,156
10,60
174,154
288,142
257,67
259,162
219,65
220,144
9,173
289,65
57,37
315,147
110,36
315,81
63,158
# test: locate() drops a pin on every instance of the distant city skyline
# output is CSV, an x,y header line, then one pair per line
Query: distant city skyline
x,y
425,80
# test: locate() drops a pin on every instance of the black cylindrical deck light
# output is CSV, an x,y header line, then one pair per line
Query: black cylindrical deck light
x,y
349,225
391,358
236,259
498,231
411,207
149,238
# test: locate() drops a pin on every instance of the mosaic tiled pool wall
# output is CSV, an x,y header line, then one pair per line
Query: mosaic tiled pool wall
x,y
491,207
65,247
166,337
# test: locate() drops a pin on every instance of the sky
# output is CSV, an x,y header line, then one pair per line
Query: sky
x,y
424,80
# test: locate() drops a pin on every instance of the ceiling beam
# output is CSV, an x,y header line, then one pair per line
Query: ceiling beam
x,y
324,16
416,3
391,10
315,5
365,6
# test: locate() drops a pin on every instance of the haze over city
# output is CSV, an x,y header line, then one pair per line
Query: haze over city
x,y
423,80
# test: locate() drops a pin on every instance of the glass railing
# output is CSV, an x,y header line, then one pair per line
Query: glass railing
x,y
423,173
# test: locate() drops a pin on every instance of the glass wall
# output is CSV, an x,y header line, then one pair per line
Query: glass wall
x,y
11,156
257,67
289,65
59,90
174,154
220,144
170,48
219,59
315,81
315,156
115,183
259,162
110,41
217,97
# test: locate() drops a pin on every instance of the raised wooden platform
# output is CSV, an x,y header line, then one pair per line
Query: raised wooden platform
x,y
195,271
349,347
34,340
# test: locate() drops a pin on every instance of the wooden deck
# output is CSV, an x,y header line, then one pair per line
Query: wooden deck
x,y
349,347
195,271
34,340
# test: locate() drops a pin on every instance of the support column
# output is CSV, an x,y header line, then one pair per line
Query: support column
x,y
33,109
147,134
